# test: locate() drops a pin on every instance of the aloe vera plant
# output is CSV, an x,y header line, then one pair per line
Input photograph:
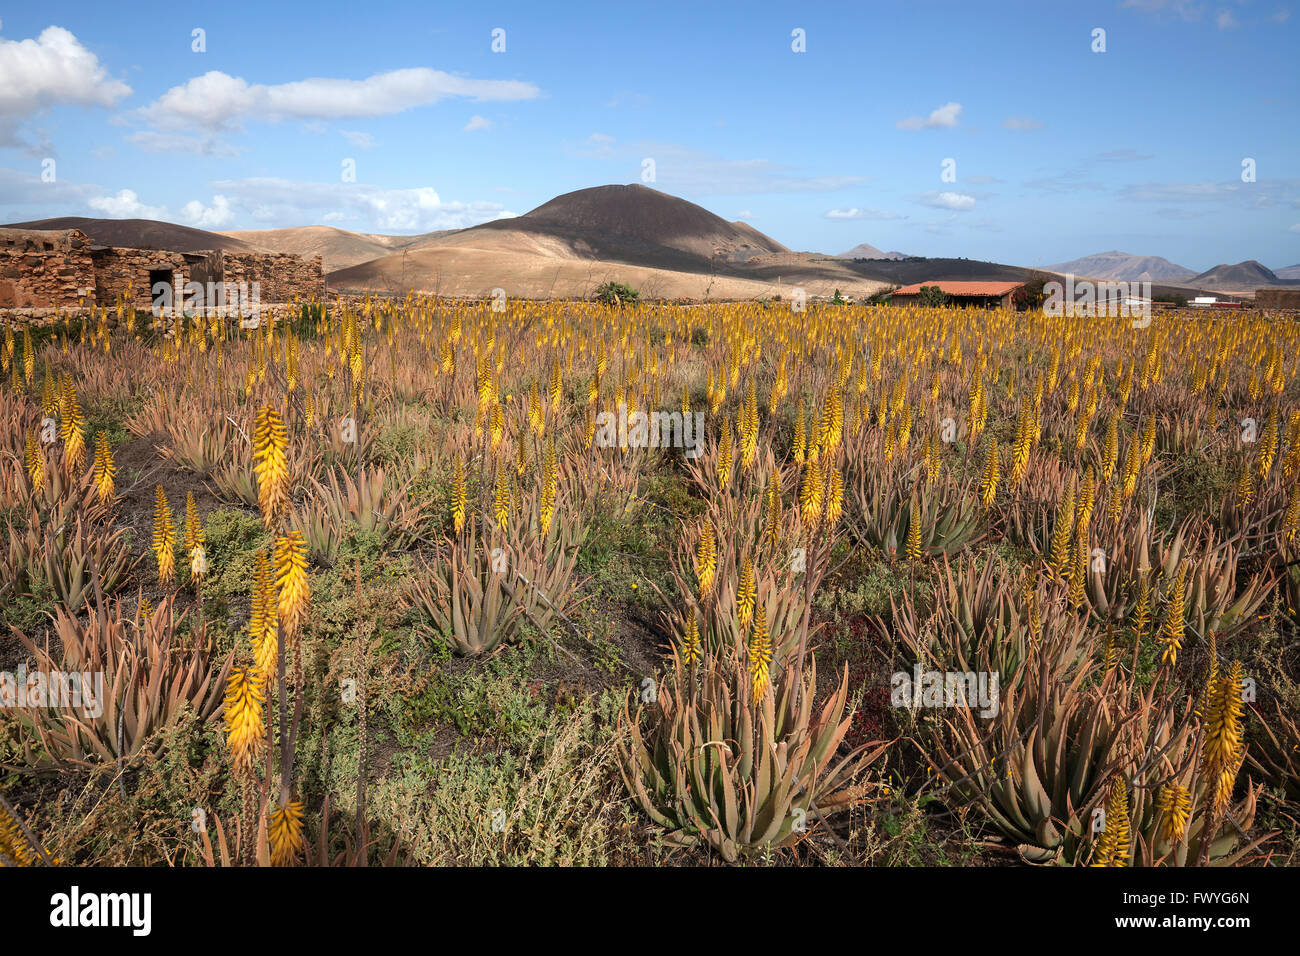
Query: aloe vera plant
x,y
478,598
151,676
1217,601
1275,752
200,440
1168,743
65,557
714,766
372,502
1037,769
982,618
880,515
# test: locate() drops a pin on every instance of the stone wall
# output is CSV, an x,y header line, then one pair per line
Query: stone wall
x,y
44,269
1277,298
117,270
280,276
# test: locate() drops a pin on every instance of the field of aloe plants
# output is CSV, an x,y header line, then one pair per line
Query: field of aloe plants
x,y
372,582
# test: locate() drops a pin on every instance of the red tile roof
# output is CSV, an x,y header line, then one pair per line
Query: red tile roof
x,y
963,288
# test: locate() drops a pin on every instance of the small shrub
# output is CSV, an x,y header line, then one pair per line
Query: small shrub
x,y
616,293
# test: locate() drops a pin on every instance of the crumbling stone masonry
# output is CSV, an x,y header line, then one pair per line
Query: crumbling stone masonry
x,y
48,270
281,277
130,274
44,269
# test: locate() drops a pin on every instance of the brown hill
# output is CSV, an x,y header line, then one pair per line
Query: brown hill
x,y
614,219
1242,277
142,234
664,246
339,248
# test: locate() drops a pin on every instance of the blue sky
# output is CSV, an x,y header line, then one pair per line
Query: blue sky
x,y
1057,151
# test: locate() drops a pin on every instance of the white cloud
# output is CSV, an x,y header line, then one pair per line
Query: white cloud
x,y
1281,16
856,213
359,139
214,100
1023,123
216,216
218,101
28,189
1224,20
51,70
958,202
152,141
54,68
1295,228
477,122
294,203
126,205
744,214
942,117
286,202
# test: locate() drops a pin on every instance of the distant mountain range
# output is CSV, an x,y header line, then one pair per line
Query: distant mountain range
x,y
865,250
1122,267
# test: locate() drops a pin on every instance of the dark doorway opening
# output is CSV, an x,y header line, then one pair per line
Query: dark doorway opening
x,y
160,298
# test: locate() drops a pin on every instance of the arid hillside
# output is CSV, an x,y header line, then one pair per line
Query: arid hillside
x,y
339,248
143,234
664,246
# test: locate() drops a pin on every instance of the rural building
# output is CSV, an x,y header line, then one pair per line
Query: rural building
x,y
48,269
988,295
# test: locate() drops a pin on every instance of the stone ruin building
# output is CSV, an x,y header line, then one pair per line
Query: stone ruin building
x,y
42,271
